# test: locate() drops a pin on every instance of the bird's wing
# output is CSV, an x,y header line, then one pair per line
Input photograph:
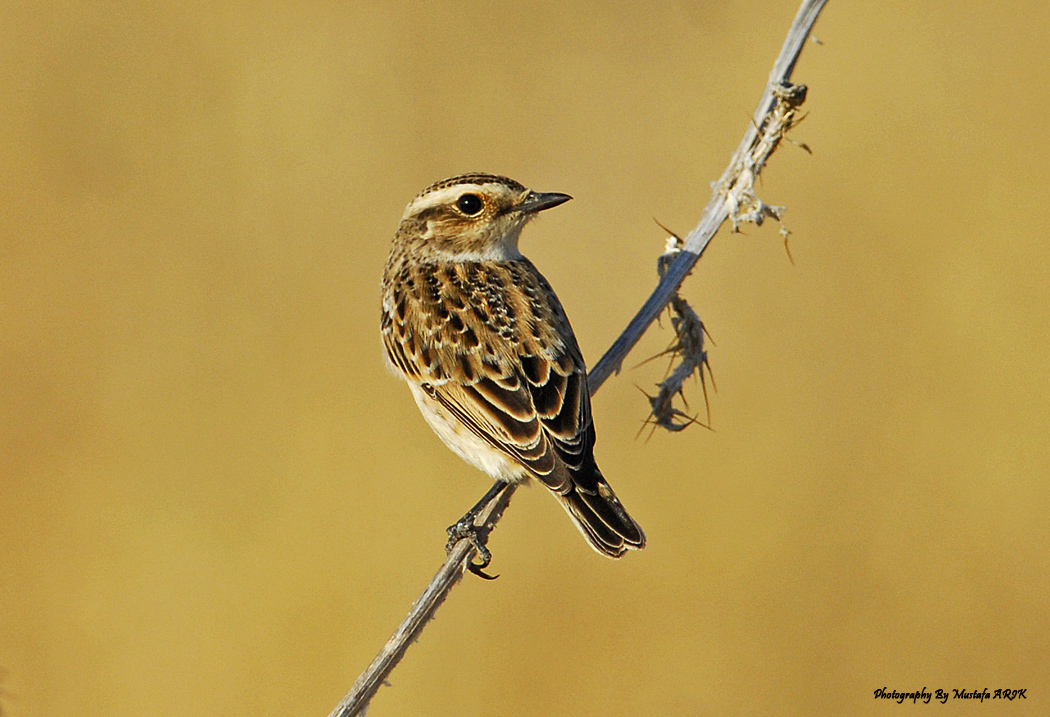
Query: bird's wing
x,y
491,343
540,416
539,425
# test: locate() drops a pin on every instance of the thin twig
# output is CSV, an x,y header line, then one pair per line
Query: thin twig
x,y
423,609
732,193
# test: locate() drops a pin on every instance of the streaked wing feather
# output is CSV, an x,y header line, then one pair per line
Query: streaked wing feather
x,y
521,439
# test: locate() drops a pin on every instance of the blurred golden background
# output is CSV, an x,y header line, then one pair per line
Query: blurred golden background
x,y
216,501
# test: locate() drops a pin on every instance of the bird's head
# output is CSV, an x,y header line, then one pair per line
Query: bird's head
x,y
472,217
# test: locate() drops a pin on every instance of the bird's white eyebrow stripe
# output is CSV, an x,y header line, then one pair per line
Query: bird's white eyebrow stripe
x,y
440,196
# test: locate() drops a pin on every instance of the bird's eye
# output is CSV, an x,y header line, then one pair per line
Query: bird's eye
x,y
469,204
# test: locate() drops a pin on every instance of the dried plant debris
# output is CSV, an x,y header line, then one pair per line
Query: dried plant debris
x,y
739,190
687,349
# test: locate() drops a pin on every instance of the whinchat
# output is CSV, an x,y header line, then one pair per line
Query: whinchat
x,y
488,352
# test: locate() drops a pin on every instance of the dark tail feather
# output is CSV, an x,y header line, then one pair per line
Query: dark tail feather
x,y
602,520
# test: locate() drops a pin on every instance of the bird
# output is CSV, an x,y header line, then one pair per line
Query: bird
x,y
489,355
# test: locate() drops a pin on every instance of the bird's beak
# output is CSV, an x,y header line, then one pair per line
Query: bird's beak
x,y
538,201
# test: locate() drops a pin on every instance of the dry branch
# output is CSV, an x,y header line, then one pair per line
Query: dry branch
x,y
733,198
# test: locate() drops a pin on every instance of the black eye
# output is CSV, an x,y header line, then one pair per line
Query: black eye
x,y
469,204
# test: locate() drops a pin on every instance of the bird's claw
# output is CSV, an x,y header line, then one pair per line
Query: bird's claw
x,y
466,529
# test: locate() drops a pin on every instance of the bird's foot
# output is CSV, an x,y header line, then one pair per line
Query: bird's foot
x,y
477,535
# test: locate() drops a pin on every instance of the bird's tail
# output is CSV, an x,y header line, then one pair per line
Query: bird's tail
x,y
601,518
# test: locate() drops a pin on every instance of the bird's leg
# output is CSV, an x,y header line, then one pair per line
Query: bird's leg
x,y
477,534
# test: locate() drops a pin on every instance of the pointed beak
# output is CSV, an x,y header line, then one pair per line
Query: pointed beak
x,y
538,201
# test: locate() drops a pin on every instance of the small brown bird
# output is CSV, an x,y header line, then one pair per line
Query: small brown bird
x,y
488,352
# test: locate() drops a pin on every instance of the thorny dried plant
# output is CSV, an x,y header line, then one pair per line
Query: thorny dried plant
x,y
747,160
687,347
744,206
